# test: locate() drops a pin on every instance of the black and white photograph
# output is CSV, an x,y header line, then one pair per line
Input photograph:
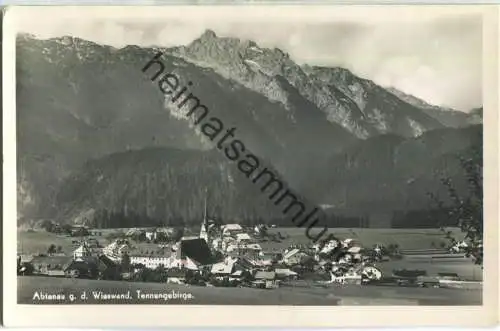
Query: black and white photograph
x,y
276,160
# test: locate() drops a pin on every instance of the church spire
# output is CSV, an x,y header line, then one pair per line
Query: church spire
x,y
205,211
204,224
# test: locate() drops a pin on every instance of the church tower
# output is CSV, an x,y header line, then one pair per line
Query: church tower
x,y
204,224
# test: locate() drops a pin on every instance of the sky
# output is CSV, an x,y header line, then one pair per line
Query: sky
x,y
437,59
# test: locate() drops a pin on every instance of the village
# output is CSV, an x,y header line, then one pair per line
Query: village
x,y
229,255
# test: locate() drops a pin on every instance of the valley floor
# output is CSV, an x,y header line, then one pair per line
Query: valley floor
x,y
305,292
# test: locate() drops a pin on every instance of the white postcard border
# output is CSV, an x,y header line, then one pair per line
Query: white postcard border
x,y
271,316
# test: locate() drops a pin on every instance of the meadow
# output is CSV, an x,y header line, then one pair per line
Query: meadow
x,y
27,285
36,242
404,238
299,295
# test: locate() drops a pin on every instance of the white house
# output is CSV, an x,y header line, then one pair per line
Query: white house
x,y
115,251
151,235
354,250
459,247
81,252
293,256
254,246
243,237
150,262
330,246
225,267
231,229
174,262
285,273
227,242
217,244
371,273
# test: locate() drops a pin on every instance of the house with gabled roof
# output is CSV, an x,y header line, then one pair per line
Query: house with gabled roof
x,y
242,237
82,251
230,265
265,279
42,264
294,256
224,268
87,267
282,273
231,229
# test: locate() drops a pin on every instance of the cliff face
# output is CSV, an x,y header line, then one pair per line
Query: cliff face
x,y
358,105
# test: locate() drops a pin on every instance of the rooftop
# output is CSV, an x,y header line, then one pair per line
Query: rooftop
x,y
268,275
243,236
196,249
53,260
232,227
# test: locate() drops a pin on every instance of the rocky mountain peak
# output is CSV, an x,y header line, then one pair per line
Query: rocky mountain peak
x,y
208,34
357,104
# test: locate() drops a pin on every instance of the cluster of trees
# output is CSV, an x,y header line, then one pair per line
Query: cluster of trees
x,y
105,219
57,228
466,209
67,229
120,219
158,275
53,249
160,237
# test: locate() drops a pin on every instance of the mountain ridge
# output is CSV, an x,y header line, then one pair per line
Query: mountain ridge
x,y
80,101
230,57
447,116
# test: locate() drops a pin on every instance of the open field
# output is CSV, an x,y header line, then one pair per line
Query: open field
x,y
39,241
297,295
464,268
404,238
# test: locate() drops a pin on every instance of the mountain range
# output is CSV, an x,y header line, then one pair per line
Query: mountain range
x,y
95,133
